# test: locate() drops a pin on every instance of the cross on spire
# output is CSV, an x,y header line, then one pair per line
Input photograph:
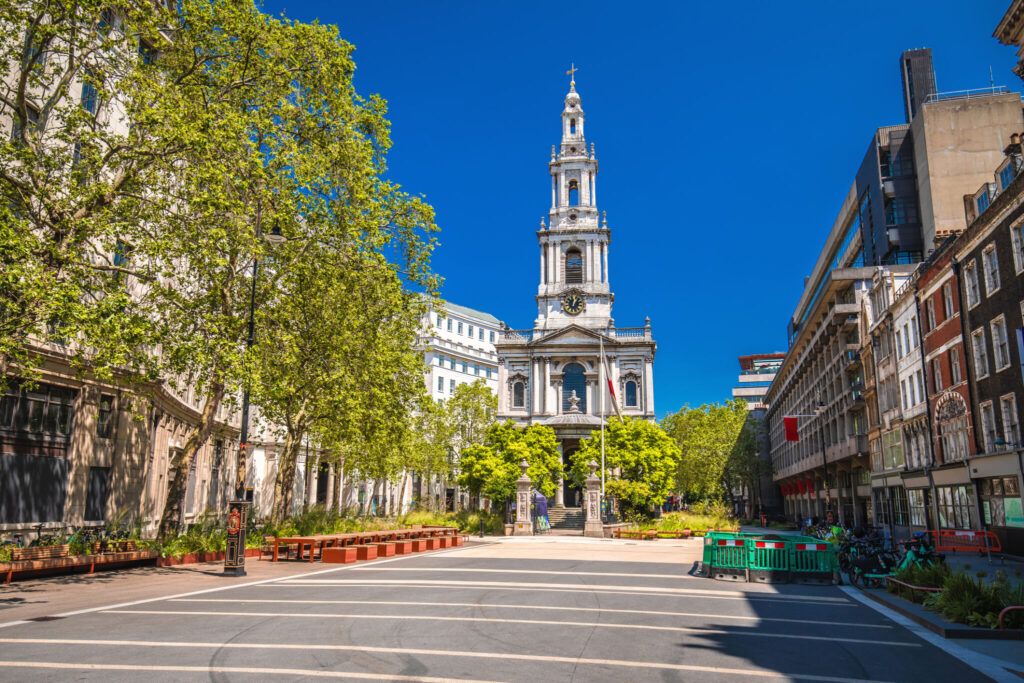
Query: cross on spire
x,y
571,73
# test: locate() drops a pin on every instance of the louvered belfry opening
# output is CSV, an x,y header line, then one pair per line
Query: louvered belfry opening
x,y
573,267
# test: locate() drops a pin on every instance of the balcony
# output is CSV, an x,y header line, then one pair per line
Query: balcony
x,y
852,359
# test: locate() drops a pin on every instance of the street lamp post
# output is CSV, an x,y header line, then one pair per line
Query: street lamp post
x,y
238,509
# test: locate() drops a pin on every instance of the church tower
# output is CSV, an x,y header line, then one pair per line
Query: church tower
x,y
573,285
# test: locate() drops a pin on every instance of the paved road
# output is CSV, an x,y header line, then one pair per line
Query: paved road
x,y
553,611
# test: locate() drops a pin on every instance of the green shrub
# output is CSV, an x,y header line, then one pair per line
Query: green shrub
x,y
969,601
696,522
6,551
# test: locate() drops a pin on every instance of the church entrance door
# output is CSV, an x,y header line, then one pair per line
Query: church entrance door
x,y
573,496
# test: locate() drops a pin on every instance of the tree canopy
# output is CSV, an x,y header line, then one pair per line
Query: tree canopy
x,y
643,455
491,469
708,437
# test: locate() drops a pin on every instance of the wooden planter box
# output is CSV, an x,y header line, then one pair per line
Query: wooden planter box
x,y
68,564
340,555
433,543
366,552
42,552
419,545
404,547
458,540
386,549
196,558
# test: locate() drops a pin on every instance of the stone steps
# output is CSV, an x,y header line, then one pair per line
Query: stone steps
x,y
566,518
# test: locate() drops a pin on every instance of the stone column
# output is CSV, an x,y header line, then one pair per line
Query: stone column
x,y
524,525
543,274
329,503
553,190
593,526
604,261
560,491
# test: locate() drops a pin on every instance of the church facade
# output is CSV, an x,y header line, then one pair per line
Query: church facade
x,y
552,373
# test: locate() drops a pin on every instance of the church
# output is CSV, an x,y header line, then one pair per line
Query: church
x,y
552,374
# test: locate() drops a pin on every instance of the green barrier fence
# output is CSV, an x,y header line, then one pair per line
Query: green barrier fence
x,y
768,557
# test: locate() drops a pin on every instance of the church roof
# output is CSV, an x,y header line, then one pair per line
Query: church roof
x,y
573,420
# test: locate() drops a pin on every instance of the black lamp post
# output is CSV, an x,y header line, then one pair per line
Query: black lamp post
x,y
238,509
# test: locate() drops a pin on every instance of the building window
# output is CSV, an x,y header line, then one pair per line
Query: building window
x,y
105,418
90,96
147,53
1007,174
951,416
481,335
449,324
572,126
32,120
492,336
903,393
96,494
892,450
573,379
899,345
920,386
954,366
988,426
995,493
451,363
991,262
937,374
980,352
1000,343
918,515
973,293
440,321
1011,428
983,201
451,386
900,211
947,300
460,327
929,310
44,409
519,394
469,331
440,384
574,193
631,394
573,266
953,504
1017,237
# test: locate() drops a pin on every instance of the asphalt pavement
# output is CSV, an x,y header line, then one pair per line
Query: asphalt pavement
x,y
552,610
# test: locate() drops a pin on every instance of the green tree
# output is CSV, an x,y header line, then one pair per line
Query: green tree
x,y
644,456
745,467
707,436
491,469
287,145
75,180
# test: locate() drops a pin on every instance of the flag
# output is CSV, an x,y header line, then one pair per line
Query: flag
x,y
790,425
611,387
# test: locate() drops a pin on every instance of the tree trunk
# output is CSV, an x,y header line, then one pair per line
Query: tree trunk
x,y
284,488
336,494
401,493
170,521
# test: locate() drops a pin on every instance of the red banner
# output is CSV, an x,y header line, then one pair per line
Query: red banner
x,y
790,425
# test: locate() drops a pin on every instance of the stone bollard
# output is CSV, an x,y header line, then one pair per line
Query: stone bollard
x,y
594,525
524,525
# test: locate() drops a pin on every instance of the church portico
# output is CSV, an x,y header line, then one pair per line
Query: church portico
x,y
574,366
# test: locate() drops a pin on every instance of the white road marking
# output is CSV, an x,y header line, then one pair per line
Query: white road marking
x,y
314,673
994,668
461,585
625,663
532,588
523,571
537,622
604,610
592,587
224,588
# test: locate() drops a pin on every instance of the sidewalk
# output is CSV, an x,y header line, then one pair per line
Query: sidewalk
x,y
46,597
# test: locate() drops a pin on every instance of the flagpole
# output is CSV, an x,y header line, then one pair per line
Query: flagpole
x,y
601,383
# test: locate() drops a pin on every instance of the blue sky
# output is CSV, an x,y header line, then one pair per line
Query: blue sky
x,y
728,135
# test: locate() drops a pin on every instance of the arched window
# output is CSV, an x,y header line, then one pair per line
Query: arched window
x,y
574,193
519,394
631,394
573,266
574,380
572,126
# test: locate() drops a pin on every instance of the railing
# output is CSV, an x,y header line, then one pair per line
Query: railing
x,y
618,332
967,94
517,335
631,332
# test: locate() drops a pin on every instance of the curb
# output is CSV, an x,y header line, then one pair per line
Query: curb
x,y
954,632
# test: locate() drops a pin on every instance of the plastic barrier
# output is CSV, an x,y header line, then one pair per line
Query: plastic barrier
x,y
956,540
728,557
768,560
813,560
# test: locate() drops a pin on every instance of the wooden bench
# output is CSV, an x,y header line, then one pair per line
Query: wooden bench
x,y
40,552
56,564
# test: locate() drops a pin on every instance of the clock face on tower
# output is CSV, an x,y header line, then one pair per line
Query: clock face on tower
x,y
573,303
